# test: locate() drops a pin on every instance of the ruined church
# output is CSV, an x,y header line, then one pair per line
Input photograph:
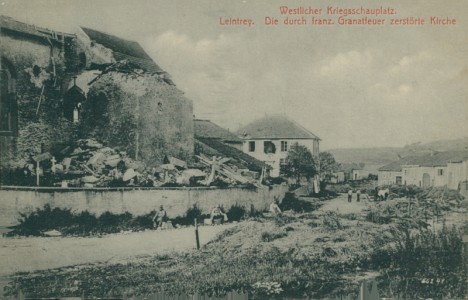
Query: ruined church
x,y
59,87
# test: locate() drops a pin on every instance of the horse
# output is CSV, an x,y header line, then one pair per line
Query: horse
x,y
383,194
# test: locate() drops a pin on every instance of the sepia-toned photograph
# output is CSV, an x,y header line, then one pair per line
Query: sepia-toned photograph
x,y
234,149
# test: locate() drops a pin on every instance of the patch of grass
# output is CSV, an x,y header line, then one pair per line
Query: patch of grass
x,y
332,221
291,202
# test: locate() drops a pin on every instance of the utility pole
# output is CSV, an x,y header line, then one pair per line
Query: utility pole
x,y
197,238
465,258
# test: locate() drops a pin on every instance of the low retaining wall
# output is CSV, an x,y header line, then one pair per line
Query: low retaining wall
x,y
137,201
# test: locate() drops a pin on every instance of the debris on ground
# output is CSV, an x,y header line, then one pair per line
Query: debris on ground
x,y
88,163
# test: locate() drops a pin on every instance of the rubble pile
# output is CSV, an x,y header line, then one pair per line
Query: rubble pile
x,y
89,163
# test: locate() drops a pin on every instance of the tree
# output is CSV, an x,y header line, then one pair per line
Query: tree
x,y
299,163
328,166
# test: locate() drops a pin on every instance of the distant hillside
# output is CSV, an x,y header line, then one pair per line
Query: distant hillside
x,y
373,158
442,145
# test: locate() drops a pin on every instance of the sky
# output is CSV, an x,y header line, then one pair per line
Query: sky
x,y
353,86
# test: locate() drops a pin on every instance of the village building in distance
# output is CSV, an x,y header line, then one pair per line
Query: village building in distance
x,y
449,168
268,139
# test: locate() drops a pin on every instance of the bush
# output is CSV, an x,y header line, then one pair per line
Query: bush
x,y
268,236
82,224
192,213
424,264
236,213
331,220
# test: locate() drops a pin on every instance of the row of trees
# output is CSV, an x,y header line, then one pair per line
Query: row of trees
x,y
300,163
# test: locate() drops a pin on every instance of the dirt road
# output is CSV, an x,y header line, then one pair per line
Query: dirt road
x,y
39,253
342,206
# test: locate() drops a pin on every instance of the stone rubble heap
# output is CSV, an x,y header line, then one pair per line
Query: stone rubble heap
x,y
91,164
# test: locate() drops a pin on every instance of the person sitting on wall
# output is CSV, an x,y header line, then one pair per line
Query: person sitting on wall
x,y
218,214
159,218
274,208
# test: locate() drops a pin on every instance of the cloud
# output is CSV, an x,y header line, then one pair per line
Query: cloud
x,y
343,64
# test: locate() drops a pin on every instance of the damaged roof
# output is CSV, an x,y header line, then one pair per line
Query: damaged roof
x,y
124,49
275,127
212,147
208,129
10,24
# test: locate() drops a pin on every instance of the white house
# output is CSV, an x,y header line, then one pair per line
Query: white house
x,y
391,174
268,139
448,168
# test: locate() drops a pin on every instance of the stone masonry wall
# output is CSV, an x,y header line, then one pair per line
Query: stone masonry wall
x,y
140,114
136,201
35,62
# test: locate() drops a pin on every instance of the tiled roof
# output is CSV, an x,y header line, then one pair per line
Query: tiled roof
x,y
393,166
349,167
428,160
275,127
124,49
208,129
438,159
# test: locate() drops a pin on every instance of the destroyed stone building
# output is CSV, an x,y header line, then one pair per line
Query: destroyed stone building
x,y
58,87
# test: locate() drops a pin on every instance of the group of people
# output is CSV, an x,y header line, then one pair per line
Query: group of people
x,y
350,195
160,217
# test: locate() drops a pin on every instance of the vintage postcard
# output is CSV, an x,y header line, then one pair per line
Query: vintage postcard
x,y
242,149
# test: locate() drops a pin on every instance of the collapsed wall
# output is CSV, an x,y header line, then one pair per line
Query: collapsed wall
x,y
141,114
33,74
138,110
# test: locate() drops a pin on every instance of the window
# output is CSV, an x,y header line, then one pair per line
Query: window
x,y
440,172
282,161
8,109
398,180
252,146
269,147
284,146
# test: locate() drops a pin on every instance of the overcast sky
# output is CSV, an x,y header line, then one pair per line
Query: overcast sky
x,y
353,86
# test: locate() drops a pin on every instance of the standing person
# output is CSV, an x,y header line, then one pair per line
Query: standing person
x,y
358,195
159,218
350,195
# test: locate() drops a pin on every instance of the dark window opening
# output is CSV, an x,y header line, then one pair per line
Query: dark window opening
x,y
82,60
36,70
269,147
398,180
8,108
284,146
72,102
252,146
99,106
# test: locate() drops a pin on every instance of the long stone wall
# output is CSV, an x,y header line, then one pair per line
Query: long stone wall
x,y
138,201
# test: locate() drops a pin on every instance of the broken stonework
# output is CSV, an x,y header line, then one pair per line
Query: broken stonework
x,y
140,114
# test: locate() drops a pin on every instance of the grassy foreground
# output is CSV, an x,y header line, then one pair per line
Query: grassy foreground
x,y
316,254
